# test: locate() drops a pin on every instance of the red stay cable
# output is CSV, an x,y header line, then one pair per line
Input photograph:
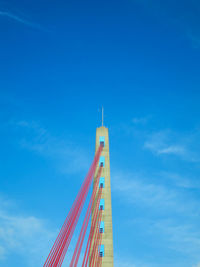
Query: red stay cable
x,y
93,227
86,221
96,249
73,210
94,219
78,242
66,223
70,234
53,250
100,258
93,255
97,258
67,228
71,229
63,249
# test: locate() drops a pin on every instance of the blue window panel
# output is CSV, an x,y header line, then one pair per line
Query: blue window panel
x,y
102,161
102,140
101,251
101,227
102,182
102,204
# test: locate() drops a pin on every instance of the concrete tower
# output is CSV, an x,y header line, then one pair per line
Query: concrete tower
x,y
106,250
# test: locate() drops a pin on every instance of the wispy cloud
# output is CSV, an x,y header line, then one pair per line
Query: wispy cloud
x,y
166,142
124,263
2,253
21,20
185,19
181,181
27,236
66,156
140,120
172,221
172,149
159,143
135,189
183,237
155,191
173,234
127,262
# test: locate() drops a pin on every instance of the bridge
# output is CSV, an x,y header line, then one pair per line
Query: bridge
x,y
99,242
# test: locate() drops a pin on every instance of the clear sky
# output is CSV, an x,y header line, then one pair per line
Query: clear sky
x,y
60,61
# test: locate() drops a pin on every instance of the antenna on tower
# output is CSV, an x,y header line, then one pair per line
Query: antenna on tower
x,y
102,116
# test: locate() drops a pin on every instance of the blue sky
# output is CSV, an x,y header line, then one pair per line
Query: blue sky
x,y
60,61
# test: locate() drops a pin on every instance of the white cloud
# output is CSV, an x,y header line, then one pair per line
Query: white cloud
x,y
181,180
65,155
160,143
136,189
126,261
173,234
2,253
19,19
154,191
167,142
27,236
174,212
175,150
183,237
185,19
141,120
123,263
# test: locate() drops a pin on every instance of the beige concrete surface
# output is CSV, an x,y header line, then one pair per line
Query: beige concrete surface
x,y
107,236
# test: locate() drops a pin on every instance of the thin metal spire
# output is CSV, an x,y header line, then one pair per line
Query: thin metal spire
x,y
102,116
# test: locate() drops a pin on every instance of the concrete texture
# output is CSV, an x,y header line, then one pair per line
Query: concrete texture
x,y
107,236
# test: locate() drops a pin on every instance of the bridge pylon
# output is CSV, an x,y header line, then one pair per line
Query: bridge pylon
x,y
106,248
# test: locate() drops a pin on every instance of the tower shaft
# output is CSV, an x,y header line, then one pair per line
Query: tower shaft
x,y
106,249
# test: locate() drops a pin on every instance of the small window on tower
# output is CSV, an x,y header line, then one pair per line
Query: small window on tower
x,y
102,182
101,204
101,251
101,227
102,141
102,161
